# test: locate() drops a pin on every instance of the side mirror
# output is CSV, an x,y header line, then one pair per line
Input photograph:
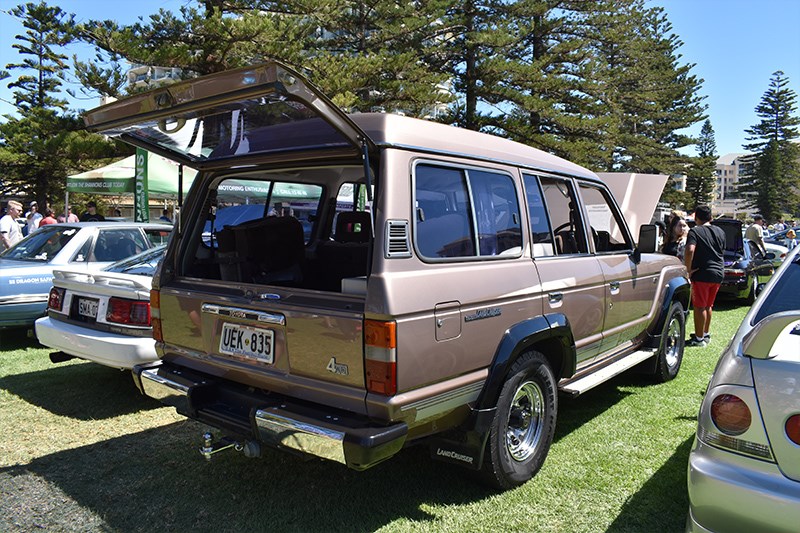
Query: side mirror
x,y
648,239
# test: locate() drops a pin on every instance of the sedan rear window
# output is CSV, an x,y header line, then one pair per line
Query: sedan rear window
x,y
784,296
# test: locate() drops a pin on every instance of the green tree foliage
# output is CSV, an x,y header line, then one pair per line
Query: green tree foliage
x,y
771,184
42,145
700,172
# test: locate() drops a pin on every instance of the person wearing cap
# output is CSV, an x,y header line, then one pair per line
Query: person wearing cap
x,y
755,232
10,233
91,214
34,218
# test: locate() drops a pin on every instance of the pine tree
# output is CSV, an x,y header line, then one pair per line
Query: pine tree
x,y
700,173
42,145
772,183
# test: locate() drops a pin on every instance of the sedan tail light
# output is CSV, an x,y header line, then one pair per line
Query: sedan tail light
x,y
55,300
793,428
730,420
129,312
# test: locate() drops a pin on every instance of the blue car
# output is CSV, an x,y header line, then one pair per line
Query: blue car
x,y
26,269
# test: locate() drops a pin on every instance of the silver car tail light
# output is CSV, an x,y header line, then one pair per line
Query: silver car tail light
x,y
730,419
55,300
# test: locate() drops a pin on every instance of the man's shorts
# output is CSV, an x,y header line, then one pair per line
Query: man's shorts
x,y
704,293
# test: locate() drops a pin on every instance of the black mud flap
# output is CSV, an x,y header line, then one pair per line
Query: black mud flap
x,y
465,446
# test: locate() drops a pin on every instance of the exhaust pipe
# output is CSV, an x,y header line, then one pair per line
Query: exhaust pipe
x,y
60,357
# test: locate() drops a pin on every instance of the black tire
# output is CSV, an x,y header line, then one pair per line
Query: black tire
x,y
670,353
524,423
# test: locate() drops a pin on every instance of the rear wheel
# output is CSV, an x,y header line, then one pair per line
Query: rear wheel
x,y
524,423
670,353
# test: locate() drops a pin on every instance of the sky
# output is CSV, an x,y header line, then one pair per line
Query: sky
x,y
735,45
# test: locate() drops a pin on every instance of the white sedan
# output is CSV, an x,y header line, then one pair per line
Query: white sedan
x,y
102,316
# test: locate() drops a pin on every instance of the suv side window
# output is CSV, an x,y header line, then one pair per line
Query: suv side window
x,y
608,230
562,206
541,236
452,205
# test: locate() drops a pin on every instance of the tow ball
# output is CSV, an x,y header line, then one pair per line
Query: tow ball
x,y
209,447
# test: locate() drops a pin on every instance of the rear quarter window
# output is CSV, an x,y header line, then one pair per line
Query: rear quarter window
x,y
465,213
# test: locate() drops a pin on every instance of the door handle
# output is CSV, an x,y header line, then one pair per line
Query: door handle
x,y
614,285
555,297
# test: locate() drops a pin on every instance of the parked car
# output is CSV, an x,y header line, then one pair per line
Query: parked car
x,y
26,269
483,278
779,253
747,268
780,238
102,316
744,466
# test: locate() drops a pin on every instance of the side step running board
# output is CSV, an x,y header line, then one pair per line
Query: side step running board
x,y
581,384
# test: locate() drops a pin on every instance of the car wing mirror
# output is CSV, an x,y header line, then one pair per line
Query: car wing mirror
x,y
775,335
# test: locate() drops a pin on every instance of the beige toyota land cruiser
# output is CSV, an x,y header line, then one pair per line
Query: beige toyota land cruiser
x,y
342,286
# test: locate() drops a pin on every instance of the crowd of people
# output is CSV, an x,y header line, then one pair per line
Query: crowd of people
x,y
700,245
14,225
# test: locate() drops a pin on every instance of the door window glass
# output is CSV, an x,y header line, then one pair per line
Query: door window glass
x,y
562,208
541,237
606,224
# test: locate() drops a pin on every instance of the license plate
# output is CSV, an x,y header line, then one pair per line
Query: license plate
x,y
253,343
87,307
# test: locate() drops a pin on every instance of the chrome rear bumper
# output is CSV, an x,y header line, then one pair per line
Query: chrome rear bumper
x,y
279,422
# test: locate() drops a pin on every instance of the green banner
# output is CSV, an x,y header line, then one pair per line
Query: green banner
x,y
141,211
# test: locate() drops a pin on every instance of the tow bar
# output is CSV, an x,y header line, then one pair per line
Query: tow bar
x,y
249,449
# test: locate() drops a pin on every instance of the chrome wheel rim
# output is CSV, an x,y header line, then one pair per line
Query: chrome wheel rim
x,y
525,421
672,343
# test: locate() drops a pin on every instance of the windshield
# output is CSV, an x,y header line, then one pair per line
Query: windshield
x,y
784,296
41,246
143,264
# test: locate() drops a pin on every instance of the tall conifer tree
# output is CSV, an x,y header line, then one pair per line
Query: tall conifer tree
x,y
772,183
700,172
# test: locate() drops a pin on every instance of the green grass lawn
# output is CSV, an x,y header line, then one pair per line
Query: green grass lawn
x,y
81,450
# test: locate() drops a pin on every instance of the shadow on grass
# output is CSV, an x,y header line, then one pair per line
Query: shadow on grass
x,y
17,339
84,391
156,481
662,502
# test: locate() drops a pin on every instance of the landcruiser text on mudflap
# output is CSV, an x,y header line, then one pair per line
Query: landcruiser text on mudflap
x,y
345,285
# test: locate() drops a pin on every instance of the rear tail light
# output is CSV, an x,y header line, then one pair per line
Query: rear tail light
x,y
730,414
380,361
129,312
793,428
735,273
728,423
55,300
155,315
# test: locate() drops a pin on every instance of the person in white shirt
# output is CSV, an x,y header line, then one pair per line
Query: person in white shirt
x,y
755,232
10,233
34,218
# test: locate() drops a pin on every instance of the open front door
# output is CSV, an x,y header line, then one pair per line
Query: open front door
x,y
249,112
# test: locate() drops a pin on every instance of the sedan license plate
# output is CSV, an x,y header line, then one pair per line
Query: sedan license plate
x,y
87,307
253,343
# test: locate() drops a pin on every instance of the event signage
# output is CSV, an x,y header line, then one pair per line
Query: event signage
x,y
141,196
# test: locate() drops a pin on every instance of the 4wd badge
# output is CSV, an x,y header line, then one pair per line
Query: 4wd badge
x,y
337,368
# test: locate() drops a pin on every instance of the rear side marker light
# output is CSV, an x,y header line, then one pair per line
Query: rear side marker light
x,y
55,300
793,428
730,414
380,356
155,315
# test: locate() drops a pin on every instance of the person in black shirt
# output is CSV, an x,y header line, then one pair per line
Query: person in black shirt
x,y
705,246
91,214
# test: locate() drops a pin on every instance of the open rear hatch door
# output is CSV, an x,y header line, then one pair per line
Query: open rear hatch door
x,y
245,113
